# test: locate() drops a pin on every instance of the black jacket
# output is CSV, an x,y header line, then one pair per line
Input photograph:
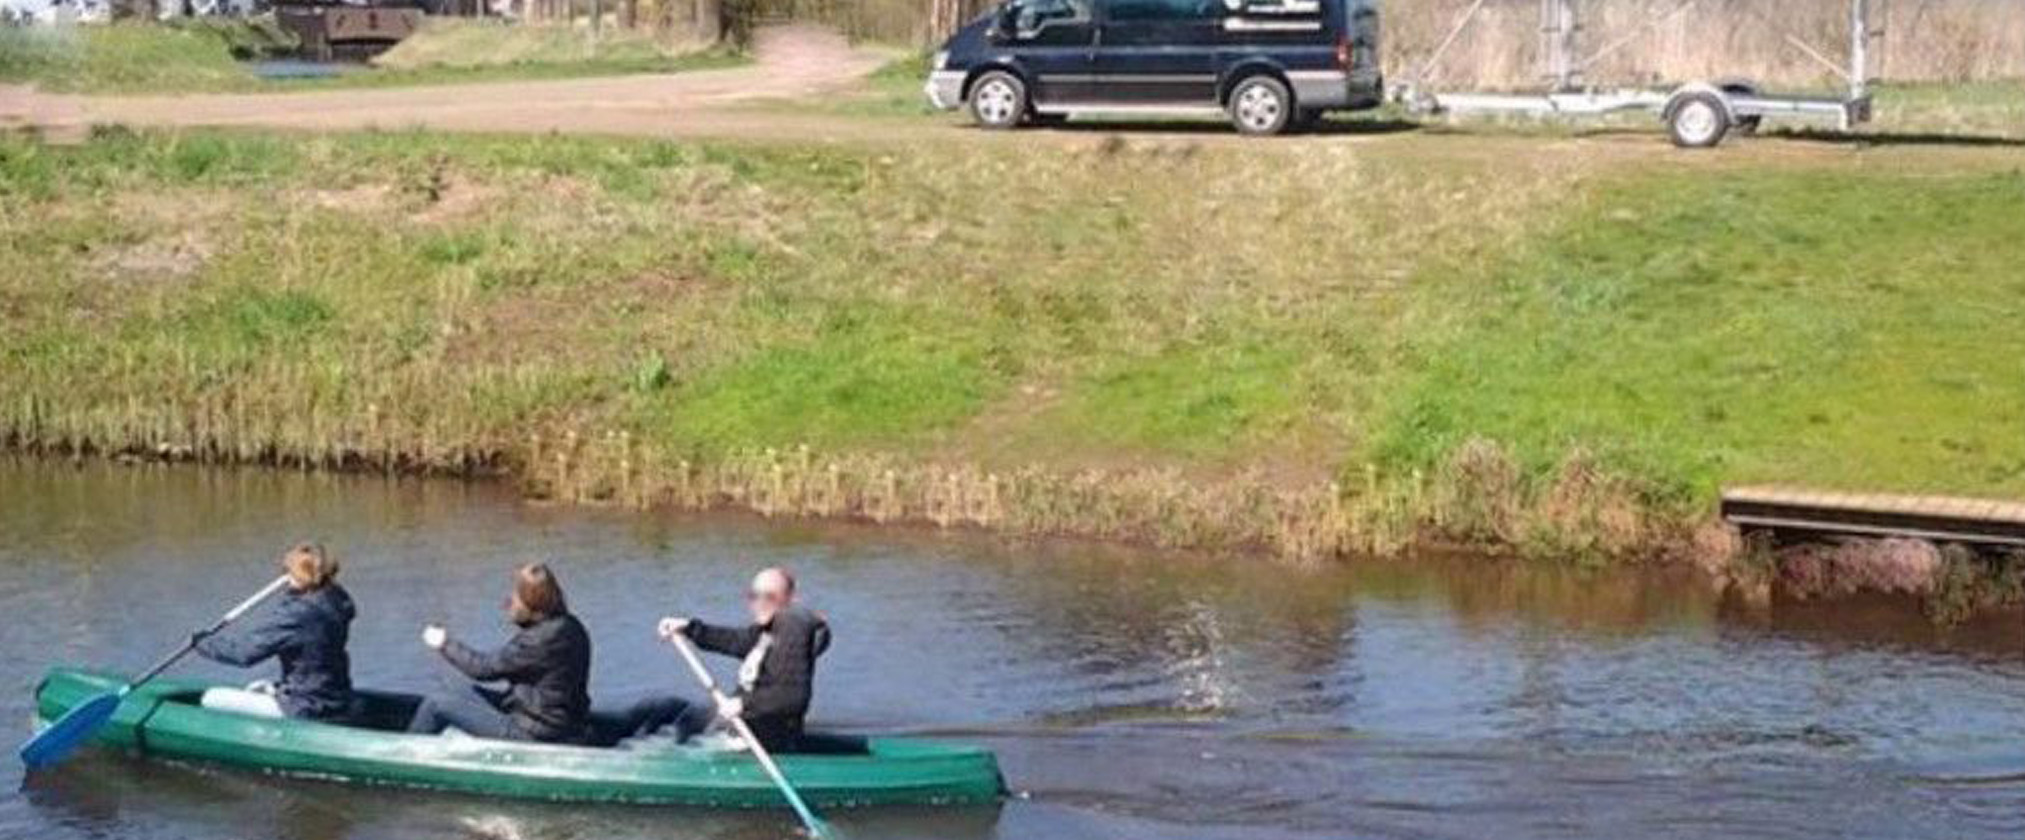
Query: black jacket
x,y
307,631
777,698
547,668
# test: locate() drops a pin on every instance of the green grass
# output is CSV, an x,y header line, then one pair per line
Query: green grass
x,y
1988,108
524,71
123,58
199,57
1305,312
893,90
1842,329
451,50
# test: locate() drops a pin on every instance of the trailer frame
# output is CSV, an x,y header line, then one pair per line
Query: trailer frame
x,y
1698,113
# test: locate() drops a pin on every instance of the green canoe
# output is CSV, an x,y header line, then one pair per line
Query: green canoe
x,y
163,719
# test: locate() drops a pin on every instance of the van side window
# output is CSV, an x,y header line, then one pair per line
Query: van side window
x,y
1151,10
1030,15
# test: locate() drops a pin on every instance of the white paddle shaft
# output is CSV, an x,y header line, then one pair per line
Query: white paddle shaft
x,y
250,603
815,826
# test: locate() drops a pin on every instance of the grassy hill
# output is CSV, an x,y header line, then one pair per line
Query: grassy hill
x,y
1559,345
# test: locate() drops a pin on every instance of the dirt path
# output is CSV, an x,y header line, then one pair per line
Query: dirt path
x,y
789,61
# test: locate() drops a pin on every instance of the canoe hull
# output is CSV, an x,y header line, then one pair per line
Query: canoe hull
x,y
160,719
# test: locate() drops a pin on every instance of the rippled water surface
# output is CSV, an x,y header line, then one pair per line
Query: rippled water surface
x,y
1128,694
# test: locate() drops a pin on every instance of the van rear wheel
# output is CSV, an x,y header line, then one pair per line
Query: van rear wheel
x,y
998,100
1261,105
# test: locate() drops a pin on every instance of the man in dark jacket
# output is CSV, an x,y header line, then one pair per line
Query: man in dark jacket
x,y
307,631
546,667
776,679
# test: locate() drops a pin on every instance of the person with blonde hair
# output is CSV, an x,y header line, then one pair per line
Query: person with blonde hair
x,y
546,667
306,631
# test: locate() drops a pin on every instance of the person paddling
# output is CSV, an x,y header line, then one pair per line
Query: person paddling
x,y
777,678
307,631
546,667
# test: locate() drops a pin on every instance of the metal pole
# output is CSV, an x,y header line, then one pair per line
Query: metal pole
x,y
1461,24
1859,48
1557,27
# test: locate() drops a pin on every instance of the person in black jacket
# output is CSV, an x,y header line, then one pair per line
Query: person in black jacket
x,y
307,631
776,679
546,667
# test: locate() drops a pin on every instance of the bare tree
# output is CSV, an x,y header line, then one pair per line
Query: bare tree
x,y
709,19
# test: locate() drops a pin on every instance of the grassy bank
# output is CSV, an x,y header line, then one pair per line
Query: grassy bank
x,y
484,49
122,59
199,57
1310,347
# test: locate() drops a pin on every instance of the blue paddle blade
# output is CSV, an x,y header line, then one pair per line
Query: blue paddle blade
x,y
69,732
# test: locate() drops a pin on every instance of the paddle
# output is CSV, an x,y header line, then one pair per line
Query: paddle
x,y
815,825
77,725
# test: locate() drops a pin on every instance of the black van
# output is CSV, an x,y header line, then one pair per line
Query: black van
x,y
1271,65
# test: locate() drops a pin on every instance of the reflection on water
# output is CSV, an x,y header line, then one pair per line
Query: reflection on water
x,y
1129,694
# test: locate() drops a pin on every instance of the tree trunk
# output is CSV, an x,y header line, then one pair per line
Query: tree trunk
x,y
629,14
944,16
709,20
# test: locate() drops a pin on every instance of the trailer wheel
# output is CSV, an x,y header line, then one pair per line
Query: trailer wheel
x,y
1698,121
998,100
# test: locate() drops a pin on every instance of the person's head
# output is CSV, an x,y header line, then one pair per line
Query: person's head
x,y
773,589
536,595
309,567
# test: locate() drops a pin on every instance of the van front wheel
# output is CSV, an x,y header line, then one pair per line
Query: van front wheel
x,y
998,100
1261,105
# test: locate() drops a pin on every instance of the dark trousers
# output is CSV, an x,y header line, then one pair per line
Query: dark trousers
x,y
477,710
683,719
669,715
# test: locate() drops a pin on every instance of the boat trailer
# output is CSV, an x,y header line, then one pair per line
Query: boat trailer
x,y
1698,114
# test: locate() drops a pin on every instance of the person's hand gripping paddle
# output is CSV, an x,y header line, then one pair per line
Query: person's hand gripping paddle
x,y
817,828
54,743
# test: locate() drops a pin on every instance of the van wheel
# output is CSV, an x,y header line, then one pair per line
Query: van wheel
x,y
998,100
1260,105
1698,121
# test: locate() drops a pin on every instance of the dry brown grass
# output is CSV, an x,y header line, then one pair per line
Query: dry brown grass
x,y
1894,566
1923,40
1479,500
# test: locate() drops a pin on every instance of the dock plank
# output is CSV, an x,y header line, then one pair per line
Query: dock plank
x,y
1805,510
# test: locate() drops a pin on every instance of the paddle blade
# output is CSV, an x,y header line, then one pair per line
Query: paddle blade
x,y
68,732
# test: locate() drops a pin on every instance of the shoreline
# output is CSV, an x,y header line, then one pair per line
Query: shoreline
x,y
1475,521
1479,502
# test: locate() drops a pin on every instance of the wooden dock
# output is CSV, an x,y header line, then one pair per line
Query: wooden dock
x,y
1785,510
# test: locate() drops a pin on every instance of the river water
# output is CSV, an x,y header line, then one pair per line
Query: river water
x,y
1128,694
